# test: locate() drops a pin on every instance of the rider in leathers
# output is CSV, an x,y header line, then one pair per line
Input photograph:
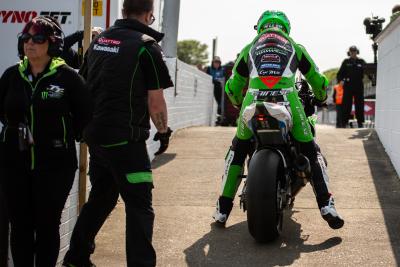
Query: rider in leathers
x,y
269,62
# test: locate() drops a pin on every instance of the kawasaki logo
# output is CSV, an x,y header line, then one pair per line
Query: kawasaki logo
x,y
10,16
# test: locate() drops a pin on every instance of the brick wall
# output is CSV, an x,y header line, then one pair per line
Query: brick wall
x,y
388,92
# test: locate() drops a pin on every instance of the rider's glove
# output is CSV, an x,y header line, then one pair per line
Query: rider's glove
x,y
164,140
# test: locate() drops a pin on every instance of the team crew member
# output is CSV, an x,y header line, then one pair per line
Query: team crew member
x,y
270,62
126,75
44,105
338,99
350,75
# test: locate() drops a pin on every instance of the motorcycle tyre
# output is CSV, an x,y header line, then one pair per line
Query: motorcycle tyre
x,y
264,218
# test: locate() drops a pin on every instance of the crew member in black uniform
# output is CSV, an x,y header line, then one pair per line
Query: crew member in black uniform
x,y
126,75
44,105
350,75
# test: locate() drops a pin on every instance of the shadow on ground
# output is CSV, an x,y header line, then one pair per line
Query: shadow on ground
x,y
233,246
162,159
387,185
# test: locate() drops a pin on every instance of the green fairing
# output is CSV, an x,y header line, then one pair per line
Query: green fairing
x,y
301,128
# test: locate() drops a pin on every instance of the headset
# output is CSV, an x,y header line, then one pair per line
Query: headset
x,y
56,43
353,47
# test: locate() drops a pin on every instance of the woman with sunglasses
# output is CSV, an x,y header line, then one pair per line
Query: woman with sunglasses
x,y
44,105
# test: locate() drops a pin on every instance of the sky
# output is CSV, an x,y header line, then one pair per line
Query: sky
x,y
327,28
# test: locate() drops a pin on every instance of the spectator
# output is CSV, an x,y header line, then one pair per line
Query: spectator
x,y
72,57
350,76
338,100
126,76
44,105
395,12
217,72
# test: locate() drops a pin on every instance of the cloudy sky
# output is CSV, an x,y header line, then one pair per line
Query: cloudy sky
x,y
325,27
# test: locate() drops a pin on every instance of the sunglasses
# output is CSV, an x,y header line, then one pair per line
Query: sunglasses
x,y
37,38
152,19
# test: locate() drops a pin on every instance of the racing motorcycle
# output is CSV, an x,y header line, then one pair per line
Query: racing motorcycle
x,y
276,170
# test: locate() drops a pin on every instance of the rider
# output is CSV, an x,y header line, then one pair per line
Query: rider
x,y
270,62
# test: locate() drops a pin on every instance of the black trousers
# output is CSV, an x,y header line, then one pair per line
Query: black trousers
x,y
339,116
356,91
35,200
108,169
3,229
218,95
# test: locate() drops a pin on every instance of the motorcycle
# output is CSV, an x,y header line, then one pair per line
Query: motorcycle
x,y
276,170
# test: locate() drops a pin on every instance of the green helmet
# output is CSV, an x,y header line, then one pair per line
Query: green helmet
x,y
273,17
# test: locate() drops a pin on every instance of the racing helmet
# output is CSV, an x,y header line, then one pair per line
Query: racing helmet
x,y
273,17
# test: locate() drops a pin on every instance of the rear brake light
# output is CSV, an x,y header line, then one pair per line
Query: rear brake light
x,y
261,117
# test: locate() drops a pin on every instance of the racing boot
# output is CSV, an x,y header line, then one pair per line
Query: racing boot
x,y
223,209
330,214
231,179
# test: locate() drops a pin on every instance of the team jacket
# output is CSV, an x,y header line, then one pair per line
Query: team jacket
x,y
121,65
270,61
55,106
352,72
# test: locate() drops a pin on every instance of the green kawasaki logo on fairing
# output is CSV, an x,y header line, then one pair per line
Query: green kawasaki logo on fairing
x,y
53,91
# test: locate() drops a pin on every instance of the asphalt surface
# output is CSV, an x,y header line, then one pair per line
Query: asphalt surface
x,y
187,184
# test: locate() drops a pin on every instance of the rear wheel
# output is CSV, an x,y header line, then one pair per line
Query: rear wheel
x,y
263,201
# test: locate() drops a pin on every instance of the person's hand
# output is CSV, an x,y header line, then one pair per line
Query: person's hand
x,y
96,31
164,141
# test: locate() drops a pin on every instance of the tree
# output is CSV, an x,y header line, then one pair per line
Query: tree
x,y
192,52
331,74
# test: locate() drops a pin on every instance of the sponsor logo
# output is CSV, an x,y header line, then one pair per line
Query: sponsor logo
x,y
270,66
286,47
270,73
271,50
274,92
260,46
53,91
266,36
62,16
270,58
17,16
109,49
103,40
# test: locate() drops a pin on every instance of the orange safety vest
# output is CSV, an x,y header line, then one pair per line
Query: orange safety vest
x,y
339,94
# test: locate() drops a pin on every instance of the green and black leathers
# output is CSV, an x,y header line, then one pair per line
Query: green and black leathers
x,y
270,61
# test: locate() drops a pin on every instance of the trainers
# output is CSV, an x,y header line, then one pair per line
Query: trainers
x,y
223,209
330,215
